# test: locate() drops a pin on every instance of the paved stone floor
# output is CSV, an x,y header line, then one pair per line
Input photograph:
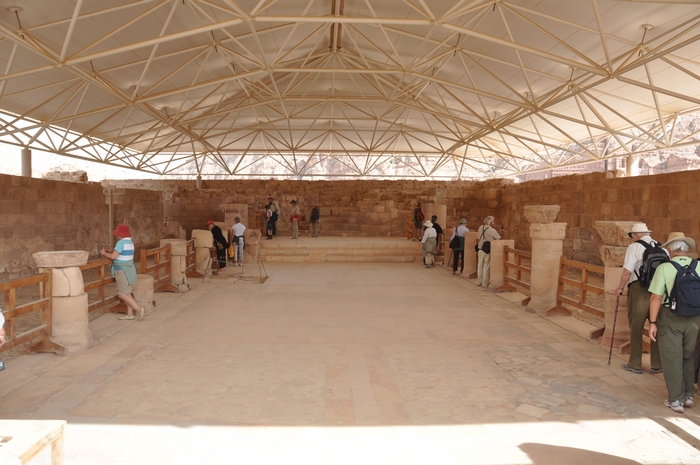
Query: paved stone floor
x,y
346,364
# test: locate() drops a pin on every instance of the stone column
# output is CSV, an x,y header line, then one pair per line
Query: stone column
x,y
26,162
497,269
232,210
547,248
615,240
143,291
178,262
69,315
252,246
205,241
470,240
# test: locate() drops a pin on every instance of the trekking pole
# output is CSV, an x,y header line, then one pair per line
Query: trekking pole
x,y
612,337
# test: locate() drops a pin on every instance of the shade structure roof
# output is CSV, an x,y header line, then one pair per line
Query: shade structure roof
x,y
348,88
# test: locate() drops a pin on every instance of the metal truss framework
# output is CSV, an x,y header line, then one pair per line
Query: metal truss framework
x,y
348,88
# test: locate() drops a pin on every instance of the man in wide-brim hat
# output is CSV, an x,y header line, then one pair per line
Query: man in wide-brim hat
x,y
124,271
676,334
637,299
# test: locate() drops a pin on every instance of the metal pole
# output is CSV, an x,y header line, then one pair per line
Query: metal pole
x,y
612,337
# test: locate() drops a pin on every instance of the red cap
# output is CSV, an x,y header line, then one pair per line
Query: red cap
x,y
210,222
122,231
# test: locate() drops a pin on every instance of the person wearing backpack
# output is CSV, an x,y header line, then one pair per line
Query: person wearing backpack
x,y
457,245
637,294
674,319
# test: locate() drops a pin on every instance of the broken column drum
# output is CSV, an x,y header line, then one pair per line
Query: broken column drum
x,y
547,249
615,240
69,300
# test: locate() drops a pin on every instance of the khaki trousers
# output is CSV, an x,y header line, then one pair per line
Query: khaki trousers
x,y
295,228
677,335
637,314
483,269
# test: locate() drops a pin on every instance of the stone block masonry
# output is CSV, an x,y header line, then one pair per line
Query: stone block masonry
x,y
37,214
40,214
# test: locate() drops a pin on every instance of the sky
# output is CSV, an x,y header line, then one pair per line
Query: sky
x,y
11,163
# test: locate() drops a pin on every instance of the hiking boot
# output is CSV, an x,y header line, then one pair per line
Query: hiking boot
x,y
626,367
688,402
676,405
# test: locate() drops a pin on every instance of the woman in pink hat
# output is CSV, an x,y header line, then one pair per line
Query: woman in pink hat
x,y
124,271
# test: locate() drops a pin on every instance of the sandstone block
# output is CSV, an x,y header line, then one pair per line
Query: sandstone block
x,y
178,247
614,232
202,260
203,238
60,258
70,323
541,213
67,282
143,290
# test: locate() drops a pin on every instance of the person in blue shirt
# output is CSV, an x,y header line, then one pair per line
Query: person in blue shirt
x,y
124,271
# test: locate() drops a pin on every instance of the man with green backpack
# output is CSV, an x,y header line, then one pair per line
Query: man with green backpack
x,y
674,319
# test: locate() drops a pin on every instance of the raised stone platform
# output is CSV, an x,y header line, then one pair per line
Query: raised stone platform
x,y
340,249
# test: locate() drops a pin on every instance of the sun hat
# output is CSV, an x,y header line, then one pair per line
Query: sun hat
x,y
428,224
679,236
122,231
463,221
639,228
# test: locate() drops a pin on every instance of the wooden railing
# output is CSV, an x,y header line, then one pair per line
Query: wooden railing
x,y
159,267
583,288
191,260
513,272
104,278
12,311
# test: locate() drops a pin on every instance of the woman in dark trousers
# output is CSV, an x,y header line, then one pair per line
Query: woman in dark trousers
x,y
458,251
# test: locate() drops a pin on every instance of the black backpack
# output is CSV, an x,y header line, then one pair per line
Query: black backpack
x,y
653,256
684,299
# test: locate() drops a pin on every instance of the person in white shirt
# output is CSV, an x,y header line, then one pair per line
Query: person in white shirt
x,y
2,328
239,235
429,241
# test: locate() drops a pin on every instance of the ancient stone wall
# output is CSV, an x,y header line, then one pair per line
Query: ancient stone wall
x,y
45,215
355,208
665,202
39,214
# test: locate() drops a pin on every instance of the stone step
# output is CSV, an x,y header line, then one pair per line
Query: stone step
x,y
340,249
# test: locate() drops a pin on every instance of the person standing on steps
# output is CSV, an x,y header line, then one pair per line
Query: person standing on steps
x,y
275,209
268,222
418,218
438,230
294,218
315,220
124,271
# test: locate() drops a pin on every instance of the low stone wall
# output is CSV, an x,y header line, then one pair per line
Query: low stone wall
x,y
355,208
46,215
665,202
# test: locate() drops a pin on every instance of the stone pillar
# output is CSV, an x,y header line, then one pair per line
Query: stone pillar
x,y
178,262
615,240
143,290
547,248
26,162
232,210
205,241
632,165
470,240
252,246
69,315
497,269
